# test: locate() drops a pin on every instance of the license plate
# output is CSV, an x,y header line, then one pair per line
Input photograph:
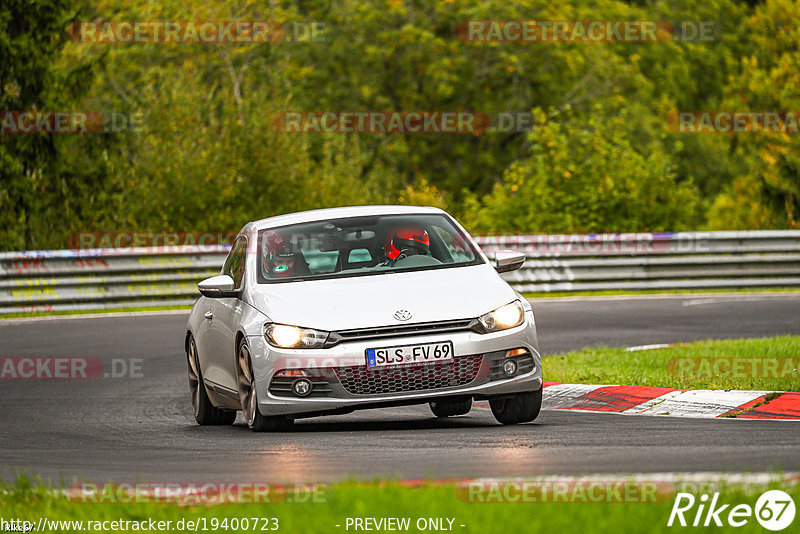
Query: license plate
x,y
407,354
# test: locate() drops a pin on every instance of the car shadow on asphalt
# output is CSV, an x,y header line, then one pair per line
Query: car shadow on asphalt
x,y
327,424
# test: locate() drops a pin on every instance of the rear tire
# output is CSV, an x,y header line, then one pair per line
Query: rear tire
x,y
249,400
205,413
519,408
451,407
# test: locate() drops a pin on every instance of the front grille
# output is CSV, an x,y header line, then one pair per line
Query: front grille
x,y
359,380
438,327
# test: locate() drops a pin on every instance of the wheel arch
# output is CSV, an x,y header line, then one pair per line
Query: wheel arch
x,y
240,335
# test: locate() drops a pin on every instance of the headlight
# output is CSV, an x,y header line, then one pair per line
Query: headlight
x,y
503,318
287,337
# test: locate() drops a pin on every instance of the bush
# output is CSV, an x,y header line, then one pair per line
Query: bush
x,y
584,175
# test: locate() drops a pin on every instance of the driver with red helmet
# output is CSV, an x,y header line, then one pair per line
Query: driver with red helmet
x,y
277,261
405,242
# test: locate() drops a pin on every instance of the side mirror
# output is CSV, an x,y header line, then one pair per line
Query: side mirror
x,y
508,260
217,287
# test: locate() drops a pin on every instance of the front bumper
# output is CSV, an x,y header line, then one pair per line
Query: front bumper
x,y
342,382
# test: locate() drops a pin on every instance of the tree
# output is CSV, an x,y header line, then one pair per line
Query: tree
x,y
584,175
766,194
46,179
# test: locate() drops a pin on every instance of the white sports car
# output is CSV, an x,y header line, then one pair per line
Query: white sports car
x,y
328,311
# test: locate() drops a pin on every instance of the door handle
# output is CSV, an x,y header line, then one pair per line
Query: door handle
x,y
209,315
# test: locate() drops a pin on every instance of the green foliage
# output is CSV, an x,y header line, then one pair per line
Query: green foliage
x,y
585,176
767,192
46,181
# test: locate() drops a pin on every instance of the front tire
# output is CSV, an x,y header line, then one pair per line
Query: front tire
x,y
205,413
249,399
519,408
451,407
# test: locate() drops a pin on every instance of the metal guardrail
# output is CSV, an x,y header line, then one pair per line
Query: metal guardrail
x,y
685,260
66,280
72,280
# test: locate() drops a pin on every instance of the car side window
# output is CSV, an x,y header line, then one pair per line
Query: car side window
x,y
455,245
359,255
234,264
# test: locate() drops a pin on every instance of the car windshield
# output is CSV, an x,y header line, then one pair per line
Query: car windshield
x,y
362,246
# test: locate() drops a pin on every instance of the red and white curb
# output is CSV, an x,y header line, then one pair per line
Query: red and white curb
x,y
645,400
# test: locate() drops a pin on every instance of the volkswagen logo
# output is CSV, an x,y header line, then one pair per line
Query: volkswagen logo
x,y
402,315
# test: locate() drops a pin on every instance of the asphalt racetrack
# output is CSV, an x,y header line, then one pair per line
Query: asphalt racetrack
x,y
141,428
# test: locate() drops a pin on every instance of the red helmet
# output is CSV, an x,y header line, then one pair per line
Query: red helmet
x,y
272,243
278,260
404,238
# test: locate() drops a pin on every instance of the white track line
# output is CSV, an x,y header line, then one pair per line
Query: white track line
x,y
654,346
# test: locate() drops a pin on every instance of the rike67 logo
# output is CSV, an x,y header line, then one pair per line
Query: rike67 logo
x,y
774,510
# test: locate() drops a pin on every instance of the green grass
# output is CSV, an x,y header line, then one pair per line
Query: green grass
x,y
629,292
685,366
98,310
376,500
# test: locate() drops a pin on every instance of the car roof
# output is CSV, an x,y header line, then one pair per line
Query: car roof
x,y
338,213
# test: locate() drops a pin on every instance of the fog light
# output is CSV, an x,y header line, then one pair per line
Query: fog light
x,y
510,367
302,387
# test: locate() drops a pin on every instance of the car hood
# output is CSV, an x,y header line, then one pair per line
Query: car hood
x,y
369,301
